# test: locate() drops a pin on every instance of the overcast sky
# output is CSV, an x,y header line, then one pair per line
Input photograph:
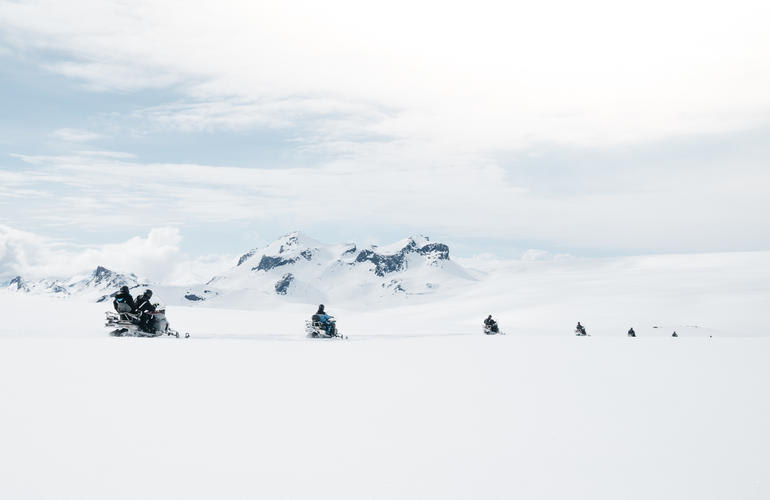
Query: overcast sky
x,y
590,128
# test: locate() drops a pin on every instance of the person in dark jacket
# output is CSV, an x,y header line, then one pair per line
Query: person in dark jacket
x,y
124,302
631,333
145,308
492,324
580,329
323,318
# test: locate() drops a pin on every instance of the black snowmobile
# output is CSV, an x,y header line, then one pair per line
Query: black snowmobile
x,y
580,331
491,328
130,324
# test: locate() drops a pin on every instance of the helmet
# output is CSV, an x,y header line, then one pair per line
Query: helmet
x,y
124,289
320,307
148,294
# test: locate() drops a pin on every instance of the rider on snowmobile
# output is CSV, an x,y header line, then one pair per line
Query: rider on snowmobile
x,y
492,324
631,333
123,301
580,329
324,319
145,307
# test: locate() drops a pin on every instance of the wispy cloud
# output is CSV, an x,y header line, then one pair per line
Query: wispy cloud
x,y
416,115
493,77
75,135
456,197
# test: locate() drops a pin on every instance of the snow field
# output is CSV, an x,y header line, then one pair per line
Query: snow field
x,y
432,417
417,404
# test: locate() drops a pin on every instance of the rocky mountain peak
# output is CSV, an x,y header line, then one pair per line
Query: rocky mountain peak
x,y
19,284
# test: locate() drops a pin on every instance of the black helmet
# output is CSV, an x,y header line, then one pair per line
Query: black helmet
x,y
320,307
124,289
147,294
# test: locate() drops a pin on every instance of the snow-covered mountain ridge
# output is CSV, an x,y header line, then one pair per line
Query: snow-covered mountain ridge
x,y
301,268
295,267
97,285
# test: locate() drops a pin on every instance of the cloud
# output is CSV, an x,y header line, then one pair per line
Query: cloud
x,y
494,76
156,256
75,135
678,210
499,120
535,255
20,250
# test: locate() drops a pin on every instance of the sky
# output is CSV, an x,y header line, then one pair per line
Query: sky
x,y
150,133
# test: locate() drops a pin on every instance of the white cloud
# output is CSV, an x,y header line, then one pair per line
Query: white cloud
x,y
482,76
75,135
20,250
414,103
535,255
458,198
156,256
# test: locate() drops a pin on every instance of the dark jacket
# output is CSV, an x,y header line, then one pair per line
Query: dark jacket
x,y
125,298
144,305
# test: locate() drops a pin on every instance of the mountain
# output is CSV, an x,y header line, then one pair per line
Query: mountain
x,y
97,285
293,268
302,269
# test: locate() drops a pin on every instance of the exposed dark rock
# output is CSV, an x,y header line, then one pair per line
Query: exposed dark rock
x,y
290,242
245,257
101,273
350,250
266,263
383,264
282,285
307,254
192,297
395,285
18,283
439,250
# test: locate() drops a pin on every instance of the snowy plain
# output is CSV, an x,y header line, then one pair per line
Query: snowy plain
x,y
418,403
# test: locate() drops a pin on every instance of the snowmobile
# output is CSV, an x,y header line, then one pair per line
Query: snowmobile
x,y
492,329
127,324
316,329
581,332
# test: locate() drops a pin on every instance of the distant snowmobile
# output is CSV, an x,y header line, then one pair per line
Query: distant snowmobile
x,y
316,328
127,324
580,330
492,330
490,327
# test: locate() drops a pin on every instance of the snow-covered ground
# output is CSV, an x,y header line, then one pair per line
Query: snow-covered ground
x,y
417,404
432,417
